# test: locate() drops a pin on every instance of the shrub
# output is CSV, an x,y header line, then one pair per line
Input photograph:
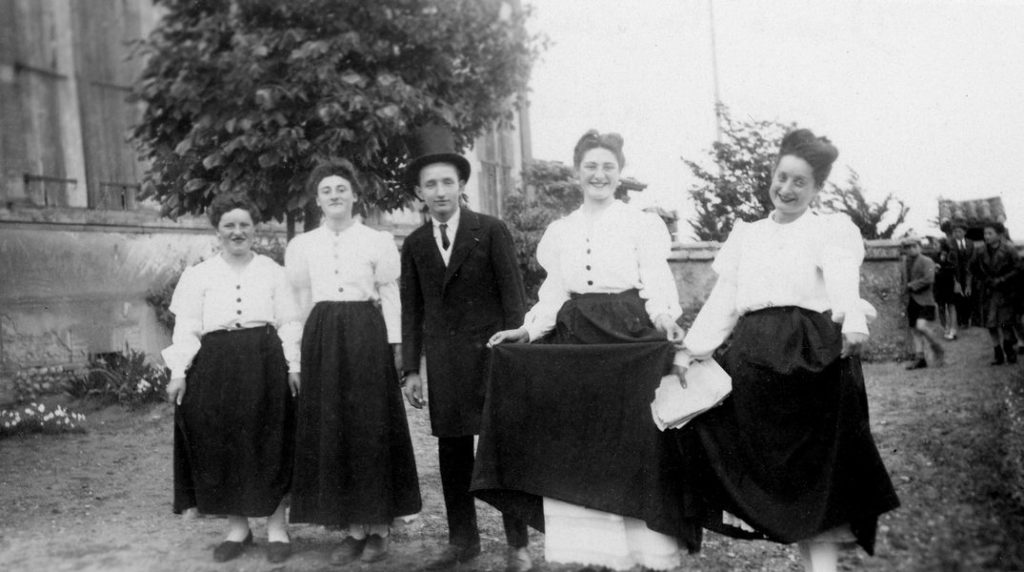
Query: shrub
x,y
125,378
35,418
30,383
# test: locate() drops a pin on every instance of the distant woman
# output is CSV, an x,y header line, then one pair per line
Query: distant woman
x,y
354,463
789,455
235,352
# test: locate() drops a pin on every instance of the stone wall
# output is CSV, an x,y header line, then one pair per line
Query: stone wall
x,y
73,283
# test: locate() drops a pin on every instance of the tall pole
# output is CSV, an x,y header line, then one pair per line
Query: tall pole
x,y
714,72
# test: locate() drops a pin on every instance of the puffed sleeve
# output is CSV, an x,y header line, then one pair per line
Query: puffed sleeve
x,y
552,293
841,252
296,270
287,317
386,270
659,285
187,307
718,315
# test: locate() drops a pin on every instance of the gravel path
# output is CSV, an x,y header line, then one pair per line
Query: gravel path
x,y
101,500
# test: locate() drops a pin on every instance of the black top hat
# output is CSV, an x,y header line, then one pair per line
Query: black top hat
x,y
432,143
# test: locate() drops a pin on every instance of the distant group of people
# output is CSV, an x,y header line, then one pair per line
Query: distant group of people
x,y
288,381
969,283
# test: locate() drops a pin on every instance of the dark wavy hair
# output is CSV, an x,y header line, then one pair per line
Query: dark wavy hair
x,y
228,202
592,140
819,152
341,167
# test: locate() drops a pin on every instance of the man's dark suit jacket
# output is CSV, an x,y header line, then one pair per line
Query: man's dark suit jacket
x,y
448,314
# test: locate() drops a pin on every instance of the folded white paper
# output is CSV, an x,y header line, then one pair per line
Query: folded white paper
x,y
707,384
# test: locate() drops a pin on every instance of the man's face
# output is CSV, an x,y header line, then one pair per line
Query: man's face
x,y
440,188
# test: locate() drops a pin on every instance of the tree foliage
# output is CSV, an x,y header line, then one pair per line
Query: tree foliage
x,y
245,95
550,192
869,217
737,188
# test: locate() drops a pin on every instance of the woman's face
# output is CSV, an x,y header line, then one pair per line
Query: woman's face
x,y
793,188
334,196
236,231
599,175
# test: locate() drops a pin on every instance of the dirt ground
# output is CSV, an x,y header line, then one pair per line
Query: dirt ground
x,y
101,500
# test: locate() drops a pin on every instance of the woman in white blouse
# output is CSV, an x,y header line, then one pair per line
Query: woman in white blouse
x,y
235,352
789,455
354,464
608,281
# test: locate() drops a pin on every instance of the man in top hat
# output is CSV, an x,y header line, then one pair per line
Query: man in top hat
x,y
921,310
460,284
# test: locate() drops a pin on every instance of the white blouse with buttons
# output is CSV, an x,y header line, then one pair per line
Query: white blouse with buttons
x,y
355,265
812,262
621,249
213,296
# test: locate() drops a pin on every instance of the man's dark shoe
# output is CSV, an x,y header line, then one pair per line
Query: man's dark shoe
x,y
349,550
919,363
278,552
229,549
999,358
1010,351
453,555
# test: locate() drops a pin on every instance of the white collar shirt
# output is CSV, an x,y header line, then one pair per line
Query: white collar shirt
x,y
214,296
450,230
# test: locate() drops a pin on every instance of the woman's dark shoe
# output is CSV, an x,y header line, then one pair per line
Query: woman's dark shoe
x,y
376,548
229,549
349,550
278,552
919,363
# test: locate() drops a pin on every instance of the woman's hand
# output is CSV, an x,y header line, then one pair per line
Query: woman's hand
x,y
680,372
413,390
176,390
673,331
853,343
519,336
294,382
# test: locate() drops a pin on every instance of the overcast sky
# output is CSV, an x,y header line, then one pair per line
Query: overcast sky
x,y
925,99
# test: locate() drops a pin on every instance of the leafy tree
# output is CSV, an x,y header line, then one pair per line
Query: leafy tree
x,y
869,217
550,192
737,189
245,95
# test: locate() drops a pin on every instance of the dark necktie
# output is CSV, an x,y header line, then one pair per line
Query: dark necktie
x,y
445,243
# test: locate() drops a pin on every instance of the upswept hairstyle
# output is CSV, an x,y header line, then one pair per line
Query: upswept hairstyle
x,y
819,152
592,140
337,166
228,202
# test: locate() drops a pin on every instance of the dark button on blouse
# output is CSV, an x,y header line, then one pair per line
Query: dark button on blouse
x,y
590,282
588,267
238,300
340,289
239,287
238,325
239,312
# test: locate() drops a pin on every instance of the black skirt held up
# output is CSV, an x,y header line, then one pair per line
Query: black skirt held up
x,y
571,420
790,451
354,461
234,430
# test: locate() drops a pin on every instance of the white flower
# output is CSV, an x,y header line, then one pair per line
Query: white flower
x,y
41,407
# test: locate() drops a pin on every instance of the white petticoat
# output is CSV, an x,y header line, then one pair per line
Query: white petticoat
x,y
575,534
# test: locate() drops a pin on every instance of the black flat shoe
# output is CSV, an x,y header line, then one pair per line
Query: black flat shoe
x,y
229,549
278,552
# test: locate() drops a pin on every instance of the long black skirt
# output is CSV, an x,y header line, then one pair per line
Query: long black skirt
x,y
571,420
354,461
234,429
790,451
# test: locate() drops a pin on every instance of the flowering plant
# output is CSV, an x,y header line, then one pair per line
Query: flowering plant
x,y
127,378
35,418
